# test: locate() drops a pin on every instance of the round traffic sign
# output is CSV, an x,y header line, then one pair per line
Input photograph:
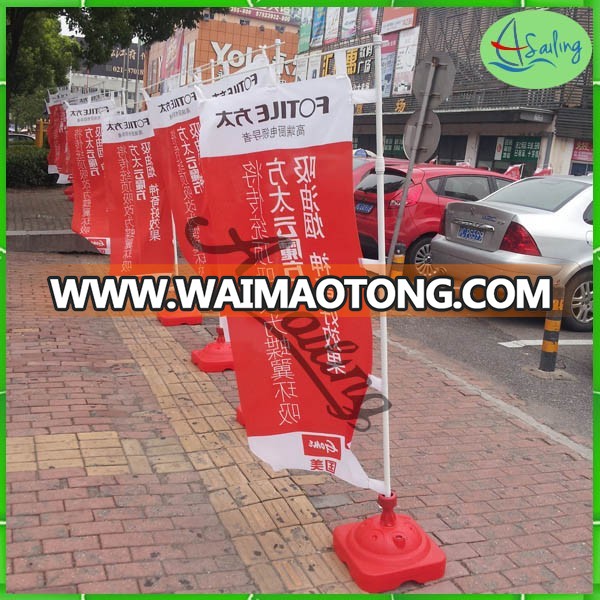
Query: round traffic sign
x,y
430,136
443,79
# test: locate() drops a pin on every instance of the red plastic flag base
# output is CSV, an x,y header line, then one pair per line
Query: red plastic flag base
x,y
239,416
170,318
387,550
214,357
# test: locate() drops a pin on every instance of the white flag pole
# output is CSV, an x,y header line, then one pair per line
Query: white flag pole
x,y
175,258
381,255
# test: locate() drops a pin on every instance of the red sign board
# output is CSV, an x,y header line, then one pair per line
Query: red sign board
x,y
583,152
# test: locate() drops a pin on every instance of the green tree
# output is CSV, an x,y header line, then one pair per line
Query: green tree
x,y
27,108
103,28
43,61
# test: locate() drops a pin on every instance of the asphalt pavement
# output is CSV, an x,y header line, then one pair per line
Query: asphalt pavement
x,y
502,349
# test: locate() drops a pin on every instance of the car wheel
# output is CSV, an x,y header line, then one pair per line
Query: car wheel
x,y
578,311
419,254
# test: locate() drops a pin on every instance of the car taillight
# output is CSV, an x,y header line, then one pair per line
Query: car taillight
x,y
414,193
518,239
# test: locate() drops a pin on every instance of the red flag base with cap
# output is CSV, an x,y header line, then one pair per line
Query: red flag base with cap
x,y
387,550
171,318
239,416
216,356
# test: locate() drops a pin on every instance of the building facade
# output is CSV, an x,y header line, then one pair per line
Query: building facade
x,y
229,40
122,74
484,122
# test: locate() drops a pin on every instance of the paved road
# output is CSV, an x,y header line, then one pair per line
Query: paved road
x,y
565,405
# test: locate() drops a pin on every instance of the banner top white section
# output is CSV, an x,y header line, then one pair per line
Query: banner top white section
x,y
122,128
285,116
182,104
58,97
176,106
88,114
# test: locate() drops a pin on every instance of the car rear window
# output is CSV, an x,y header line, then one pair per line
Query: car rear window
x,y
392,182
540,192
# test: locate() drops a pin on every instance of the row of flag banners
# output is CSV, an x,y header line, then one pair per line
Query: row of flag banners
x,y
243,170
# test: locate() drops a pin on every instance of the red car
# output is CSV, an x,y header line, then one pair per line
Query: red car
x,y
432,187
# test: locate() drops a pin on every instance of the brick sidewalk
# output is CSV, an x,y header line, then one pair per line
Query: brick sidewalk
x,y
128,473
38,209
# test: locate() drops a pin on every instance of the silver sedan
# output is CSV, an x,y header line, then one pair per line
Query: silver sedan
x,y
543,224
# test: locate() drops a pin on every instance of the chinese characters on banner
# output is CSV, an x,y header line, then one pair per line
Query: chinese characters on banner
x,y
84,135
174,118
141,230
283,159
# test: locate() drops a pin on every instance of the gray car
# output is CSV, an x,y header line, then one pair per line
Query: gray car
x,y
541,223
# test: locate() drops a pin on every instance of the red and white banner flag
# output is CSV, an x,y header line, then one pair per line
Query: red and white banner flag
x,y
90,206
514,171
174,117
57,139
51,135
280,160
63,159
140,222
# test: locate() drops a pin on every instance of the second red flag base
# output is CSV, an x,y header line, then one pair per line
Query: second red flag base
x,y
387,550
216,356
170,318
239,416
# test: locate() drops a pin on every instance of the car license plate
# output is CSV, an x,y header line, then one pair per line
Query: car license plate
x,y
470,234
363,208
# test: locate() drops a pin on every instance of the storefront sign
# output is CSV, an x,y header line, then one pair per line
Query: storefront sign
x,y
395,19
513,149
583,152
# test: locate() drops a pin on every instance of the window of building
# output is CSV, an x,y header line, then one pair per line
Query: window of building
x,y
452,149
392,146
581,168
